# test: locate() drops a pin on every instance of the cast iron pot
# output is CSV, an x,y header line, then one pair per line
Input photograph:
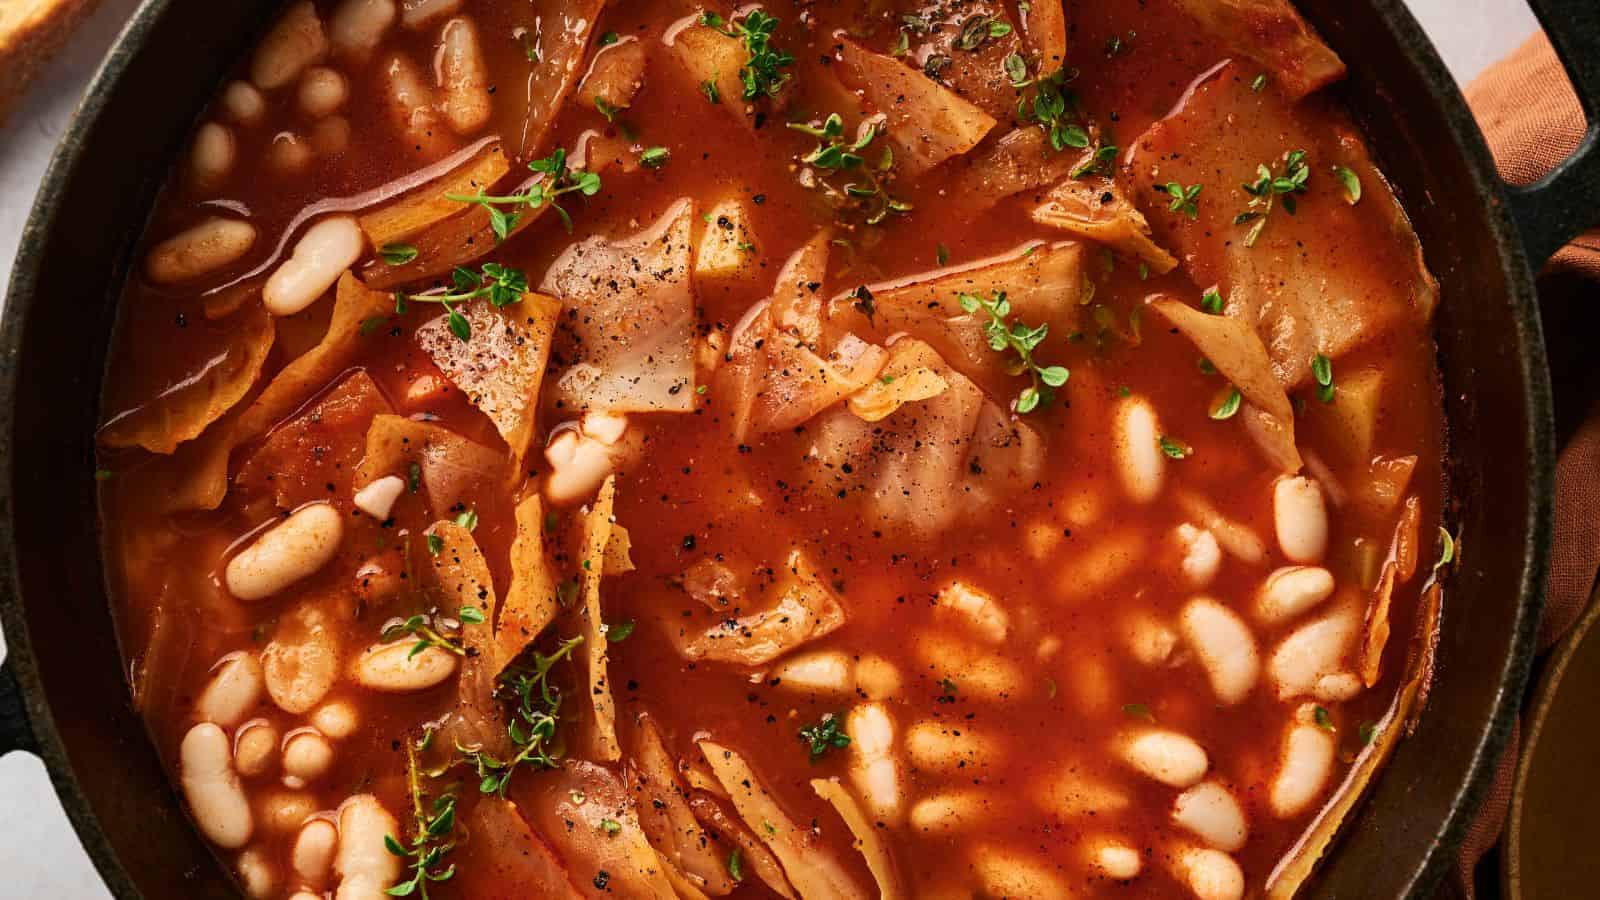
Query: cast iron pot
x,y
64,694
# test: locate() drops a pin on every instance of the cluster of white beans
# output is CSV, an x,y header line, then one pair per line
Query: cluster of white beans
x,y
310,62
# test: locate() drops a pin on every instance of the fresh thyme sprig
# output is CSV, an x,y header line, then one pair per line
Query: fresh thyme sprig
x,y
421,627
1054,107
762,74
532,728
824,736
1268,189
432,824
1022,340
559,179
503,286
834,154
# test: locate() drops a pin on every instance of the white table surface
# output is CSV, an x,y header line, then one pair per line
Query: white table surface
x,y
40,857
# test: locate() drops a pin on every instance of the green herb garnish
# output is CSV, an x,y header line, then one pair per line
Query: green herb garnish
x,y
1174,448
432,824
1322,371
558,179
397,254
532,728
1022,340
1269,189
1185,200
654,157
824,736
1228,406
502,285
1351,182
762,74
835,154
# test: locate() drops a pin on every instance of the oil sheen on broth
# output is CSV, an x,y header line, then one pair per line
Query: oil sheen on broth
x,y
821,450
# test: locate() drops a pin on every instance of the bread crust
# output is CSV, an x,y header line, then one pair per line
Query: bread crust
x,y
31,32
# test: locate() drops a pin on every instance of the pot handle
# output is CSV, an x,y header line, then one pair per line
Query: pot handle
x,y
16,732
1566,202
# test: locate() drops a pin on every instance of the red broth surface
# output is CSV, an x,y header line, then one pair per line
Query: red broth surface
x,y
852,541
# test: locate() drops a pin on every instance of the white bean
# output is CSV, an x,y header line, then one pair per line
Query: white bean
x,y
331,136
233,691
312,854
210,784
877,678
980,611
1141,464
1225,646
257,875
255,748
1012,873
242,104
1292,590
322,91
321,255
307,756
1149,640
417,13
392,669
1210,874
296,41
1337,687
1072,794
302,661
289,154
463,77
357,26
976,672
578,466
410,102
1115,858
293,549
949,812
935,746
283,812
1301,518
1202,555
336,719
1312,651
366,867
605,427
199,250
873,767
1308,751
211,156
378,498
1210,811
824,670
1166,756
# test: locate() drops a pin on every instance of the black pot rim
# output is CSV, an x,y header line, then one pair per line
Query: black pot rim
x,y
69,156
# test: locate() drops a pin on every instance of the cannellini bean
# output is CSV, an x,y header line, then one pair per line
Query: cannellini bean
x,y
255,748
1210,874
233,691
463,77
1292,590
210,784
322,91
410,102
293,549
1313,651
579,463
199,250
307,756
607,428
877,678
283,812
312,854
1166,756
1202,555
296,41
1210,811
824,670
331,136
357,26
366,867
1150,641
1092,683
1114,858
1225,646
336,720
211,156
980,611
392,669
976,673
1308,752
321,255
242,104
1338,687
873,767
1301,518
378,498
1071,794
949,812
257,875
1141,465
935,746
418,13
301,662
289,154
1011,873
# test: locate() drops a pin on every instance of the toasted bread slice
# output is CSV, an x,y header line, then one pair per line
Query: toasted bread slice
x,y
31,31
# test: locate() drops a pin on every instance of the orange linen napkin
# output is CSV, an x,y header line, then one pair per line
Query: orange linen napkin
x,y
1532,121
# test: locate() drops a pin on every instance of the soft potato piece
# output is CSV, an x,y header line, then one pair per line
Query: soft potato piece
x,y
1295,286
615,75
1351,420
1096,210
928,123
727,245
423,206
1273,35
